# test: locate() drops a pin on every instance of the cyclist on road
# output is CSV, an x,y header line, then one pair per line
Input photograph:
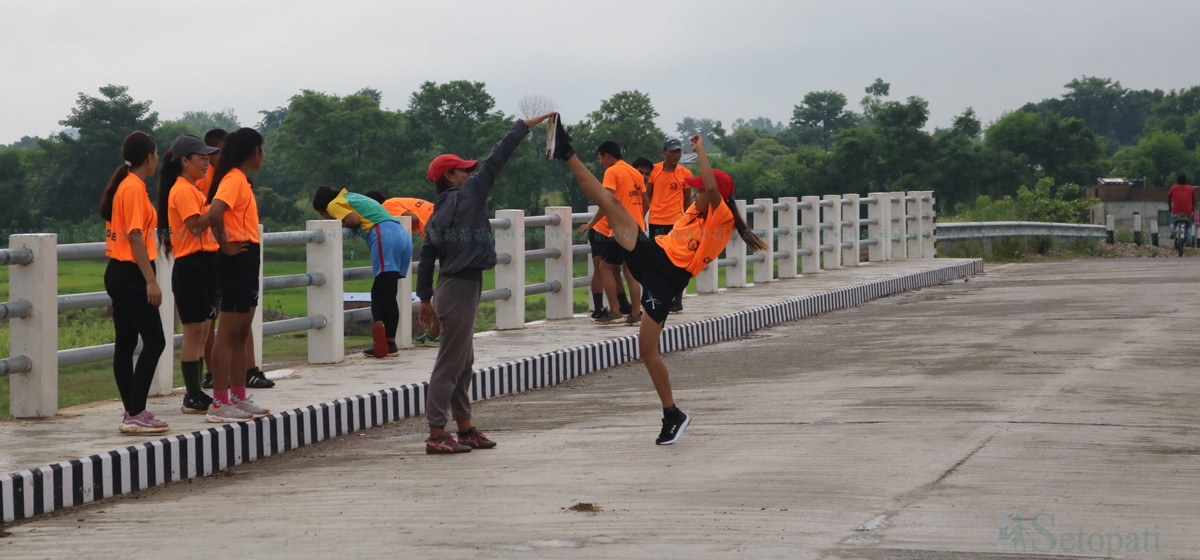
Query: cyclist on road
x,y
1182,198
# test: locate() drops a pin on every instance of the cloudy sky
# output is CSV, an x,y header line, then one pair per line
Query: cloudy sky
x,y
701,58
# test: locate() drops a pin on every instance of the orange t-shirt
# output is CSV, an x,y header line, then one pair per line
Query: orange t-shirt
x,y
131,209
422,208
697,240
630,188
241,216
184,202
666,206
205,182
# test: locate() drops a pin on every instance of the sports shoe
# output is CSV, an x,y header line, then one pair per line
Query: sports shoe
x,y
249,407
631,321
226,413
625,309
610,318
143,423
673,428
379,333
558,142
444,444
196,404
475,440
207,383
256,379
599,313
676,307
427,339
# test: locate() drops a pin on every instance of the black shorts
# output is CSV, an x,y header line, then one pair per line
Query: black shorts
x,y
659,229
614,253
661,280
194,283
598,242
237,279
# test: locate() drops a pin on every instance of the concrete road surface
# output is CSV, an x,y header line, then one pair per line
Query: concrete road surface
x,y
1036,411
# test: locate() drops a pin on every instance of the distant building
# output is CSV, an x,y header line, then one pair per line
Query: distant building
x,y
1122,198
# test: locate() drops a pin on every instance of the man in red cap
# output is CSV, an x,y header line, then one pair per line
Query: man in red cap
x,y
459,237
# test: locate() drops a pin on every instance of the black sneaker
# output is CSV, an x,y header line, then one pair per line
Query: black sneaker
x,y
256,379
196,404
207,383
603,311
673,429
676,307
625,309
558,142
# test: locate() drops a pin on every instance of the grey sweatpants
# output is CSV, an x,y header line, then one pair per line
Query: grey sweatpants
x,y
455,300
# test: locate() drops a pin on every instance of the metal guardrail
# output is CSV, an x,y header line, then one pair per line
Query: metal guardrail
x,y
958,231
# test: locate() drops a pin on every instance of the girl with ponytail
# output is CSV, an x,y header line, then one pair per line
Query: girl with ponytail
x,y
233,215
130,281
665,264
188,237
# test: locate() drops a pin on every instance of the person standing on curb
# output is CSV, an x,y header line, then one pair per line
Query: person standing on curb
x,y
460,238
669,197
630,188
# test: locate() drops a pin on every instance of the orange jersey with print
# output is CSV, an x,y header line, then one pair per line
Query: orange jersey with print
x,y
630,188
666,206
131,210
422,208
184,202
697,240
241,214
205,182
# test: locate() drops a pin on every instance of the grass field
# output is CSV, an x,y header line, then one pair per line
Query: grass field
x,y
92,382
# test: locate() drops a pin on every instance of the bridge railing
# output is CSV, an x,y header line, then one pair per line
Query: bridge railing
x,y
804,236
950,232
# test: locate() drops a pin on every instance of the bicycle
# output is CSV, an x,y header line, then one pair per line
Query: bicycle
x,y
1180,228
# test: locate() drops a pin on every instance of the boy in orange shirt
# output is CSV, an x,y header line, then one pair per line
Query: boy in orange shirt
x,y
669,197
630,188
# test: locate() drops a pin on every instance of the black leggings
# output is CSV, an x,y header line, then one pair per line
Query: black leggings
x,y
383,301
133,316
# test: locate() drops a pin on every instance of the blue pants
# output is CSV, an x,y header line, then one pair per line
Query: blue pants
x,y
391,248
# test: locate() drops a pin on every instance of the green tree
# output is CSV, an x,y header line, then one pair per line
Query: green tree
x,y
348,141
825,111
14,186
711,130
1158,157
73,171
205,121
444,118
763,123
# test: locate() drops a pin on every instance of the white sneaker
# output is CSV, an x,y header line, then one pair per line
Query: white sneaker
x,y
226,413
250,408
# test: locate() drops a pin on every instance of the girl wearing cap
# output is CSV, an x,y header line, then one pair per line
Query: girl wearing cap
x,y
391,256
195,250
233,215
130,280
665,264
459,236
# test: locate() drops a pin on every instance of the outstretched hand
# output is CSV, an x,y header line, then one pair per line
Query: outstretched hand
x,y
537,120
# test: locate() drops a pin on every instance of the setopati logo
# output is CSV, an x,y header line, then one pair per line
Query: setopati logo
x,y
1038,534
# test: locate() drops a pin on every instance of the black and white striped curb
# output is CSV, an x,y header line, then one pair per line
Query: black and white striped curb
x,y
65,484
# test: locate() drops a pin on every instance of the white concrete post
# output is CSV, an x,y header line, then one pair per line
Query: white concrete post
x,y
1137,228
928,240
34,394
851,213
326,345
256,323
164,373
404,329
789,218
914,208
510,312
591,264
707,281
833,215
810,216
878,231
765,220
899,226
561,269
735,275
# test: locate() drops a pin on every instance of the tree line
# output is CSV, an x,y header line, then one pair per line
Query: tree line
x,y
1096,128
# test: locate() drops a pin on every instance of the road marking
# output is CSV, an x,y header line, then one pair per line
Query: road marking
x,y
1005,265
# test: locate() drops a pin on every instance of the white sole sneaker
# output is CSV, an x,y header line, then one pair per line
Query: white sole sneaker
x,y
227,414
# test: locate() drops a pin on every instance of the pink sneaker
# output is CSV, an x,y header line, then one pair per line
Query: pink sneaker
x,y
143,423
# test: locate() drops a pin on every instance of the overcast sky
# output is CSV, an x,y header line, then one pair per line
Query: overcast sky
x,y
700,58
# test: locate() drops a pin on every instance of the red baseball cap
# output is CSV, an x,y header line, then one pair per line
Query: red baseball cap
x,y
724,183
445,162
